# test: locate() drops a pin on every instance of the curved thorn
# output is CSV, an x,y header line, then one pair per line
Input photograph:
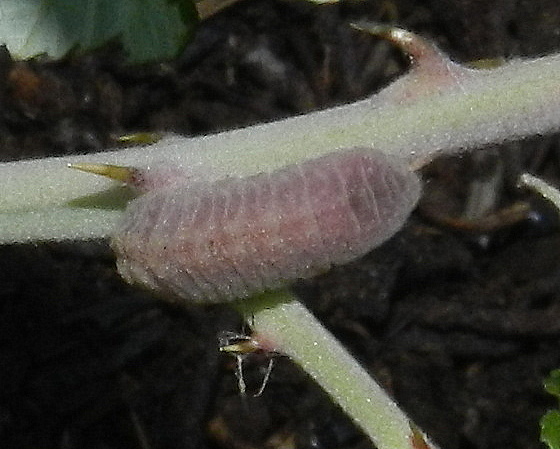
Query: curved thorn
x,y
415,46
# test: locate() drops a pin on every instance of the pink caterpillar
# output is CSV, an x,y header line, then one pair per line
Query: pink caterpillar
x,y
230,239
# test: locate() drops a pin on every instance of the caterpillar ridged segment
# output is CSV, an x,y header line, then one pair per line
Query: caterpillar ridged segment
x,y
237,237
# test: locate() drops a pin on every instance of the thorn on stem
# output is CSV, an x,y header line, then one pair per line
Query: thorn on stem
x,y
431,72
116,172
415,46
418,440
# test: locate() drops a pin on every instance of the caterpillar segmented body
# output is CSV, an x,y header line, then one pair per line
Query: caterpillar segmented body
x,y
215,242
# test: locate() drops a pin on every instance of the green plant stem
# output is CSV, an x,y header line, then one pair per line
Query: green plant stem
x,y
519,99
281,323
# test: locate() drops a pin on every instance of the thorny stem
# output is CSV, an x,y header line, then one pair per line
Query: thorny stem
x,y
438,107
282,324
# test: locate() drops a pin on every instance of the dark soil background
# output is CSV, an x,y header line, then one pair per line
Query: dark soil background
x,y
459,319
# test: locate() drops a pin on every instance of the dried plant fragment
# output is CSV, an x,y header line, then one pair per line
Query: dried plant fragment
x,y
548,192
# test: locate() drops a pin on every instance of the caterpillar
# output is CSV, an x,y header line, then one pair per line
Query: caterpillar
x,y
230,239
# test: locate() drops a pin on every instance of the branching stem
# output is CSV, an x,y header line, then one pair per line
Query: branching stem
x,y
281,323
438,107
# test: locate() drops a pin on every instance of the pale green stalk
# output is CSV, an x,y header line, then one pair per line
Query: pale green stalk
x,y
519,99
285,325
42,199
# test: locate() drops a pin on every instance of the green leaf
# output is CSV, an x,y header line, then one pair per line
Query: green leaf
x,y
550,422
552,383
148,29
550,429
